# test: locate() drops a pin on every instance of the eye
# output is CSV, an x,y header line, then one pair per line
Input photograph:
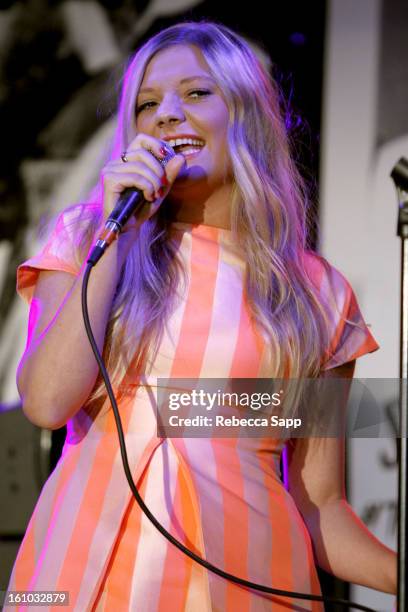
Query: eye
x,y
144,106
198,93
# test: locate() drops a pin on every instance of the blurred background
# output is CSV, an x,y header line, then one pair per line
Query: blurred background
x,y
341,64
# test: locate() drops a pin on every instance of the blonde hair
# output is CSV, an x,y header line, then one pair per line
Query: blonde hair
x,y
268,219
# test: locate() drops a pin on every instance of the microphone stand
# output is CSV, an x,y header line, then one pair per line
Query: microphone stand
x,y
399,175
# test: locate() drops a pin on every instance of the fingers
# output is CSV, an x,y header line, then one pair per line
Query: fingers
x,y
115,182
175,167
142,170
143,141
144,157
138,174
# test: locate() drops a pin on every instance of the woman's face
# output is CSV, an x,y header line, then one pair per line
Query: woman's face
x,y
180,102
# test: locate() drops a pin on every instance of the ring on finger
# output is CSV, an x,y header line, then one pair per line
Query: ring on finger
x,y
123,157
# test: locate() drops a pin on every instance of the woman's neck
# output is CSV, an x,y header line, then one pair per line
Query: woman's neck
x,y
214,210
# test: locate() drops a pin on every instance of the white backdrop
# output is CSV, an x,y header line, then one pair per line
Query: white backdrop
x,y
358,235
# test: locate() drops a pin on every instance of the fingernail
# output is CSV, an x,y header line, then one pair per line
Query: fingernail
x,y
161,192
164,180
163,152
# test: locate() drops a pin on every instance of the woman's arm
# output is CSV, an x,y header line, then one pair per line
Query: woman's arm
x,y
58,369
342,543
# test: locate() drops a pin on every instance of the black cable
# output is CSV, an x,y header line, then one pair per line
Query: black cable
x,y
203,562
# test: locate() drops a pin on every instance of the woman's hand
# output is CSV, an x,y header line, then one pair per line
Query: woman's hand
x,y
143,171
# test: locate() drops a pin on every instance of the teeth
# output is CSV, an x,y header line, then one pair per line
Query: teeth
x,y
185,141
188,151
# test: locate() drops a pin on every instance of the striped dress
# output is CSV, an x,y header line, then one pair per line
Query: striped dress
x,y
222,497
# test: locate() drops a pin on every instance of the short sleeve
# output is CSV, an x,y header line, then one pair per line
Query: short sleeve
x,y
61,252
350,336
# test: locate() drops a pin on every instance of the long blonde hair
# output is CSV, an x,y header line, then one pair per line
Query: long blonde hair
x,y
268,218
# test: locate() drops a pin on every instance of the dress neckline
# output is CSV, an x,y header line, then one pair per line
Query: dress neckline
x,y
187,225
200,229
210,235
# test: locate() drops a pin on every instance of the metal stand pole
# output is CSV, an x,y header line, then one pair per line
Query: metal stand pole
x,y
399,175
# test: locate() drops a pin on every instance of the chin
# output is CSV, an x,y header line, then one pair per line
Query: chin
x,y
193,174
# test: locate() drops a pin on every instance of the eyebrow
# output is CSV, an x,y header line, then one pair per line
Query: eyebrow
x,y
186,80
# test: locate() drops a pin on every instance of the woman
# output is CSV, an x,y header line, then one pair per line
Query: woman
x,y
213,280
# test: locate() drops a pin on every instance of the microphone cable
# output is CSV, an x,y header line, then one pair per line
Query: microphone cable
x,y
203,562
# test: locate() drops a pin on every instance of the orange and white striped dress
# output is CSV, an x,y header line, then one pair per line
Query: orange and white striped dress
x,y
222,497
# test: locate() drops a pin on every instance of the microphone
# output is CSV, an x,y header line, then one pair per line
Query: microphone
x,y
130,202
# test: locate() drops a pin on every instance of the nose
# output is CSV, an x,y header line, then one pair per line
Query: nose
x,y
169,111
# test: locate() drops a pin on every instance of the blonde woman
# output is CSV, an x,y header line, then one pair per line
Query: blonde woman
x,y
213,280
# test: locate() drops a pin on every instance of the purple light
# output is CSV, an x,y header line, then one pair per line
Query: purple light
x,y
285,468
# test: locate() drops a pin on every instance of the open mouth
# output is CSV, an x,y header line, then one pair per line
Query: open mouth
x,y
186,146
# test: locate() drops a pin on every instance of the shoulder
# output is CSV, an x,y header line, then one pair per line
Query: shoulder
x,y
73,229
63,246
319,269
350,335
332,286
77,215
